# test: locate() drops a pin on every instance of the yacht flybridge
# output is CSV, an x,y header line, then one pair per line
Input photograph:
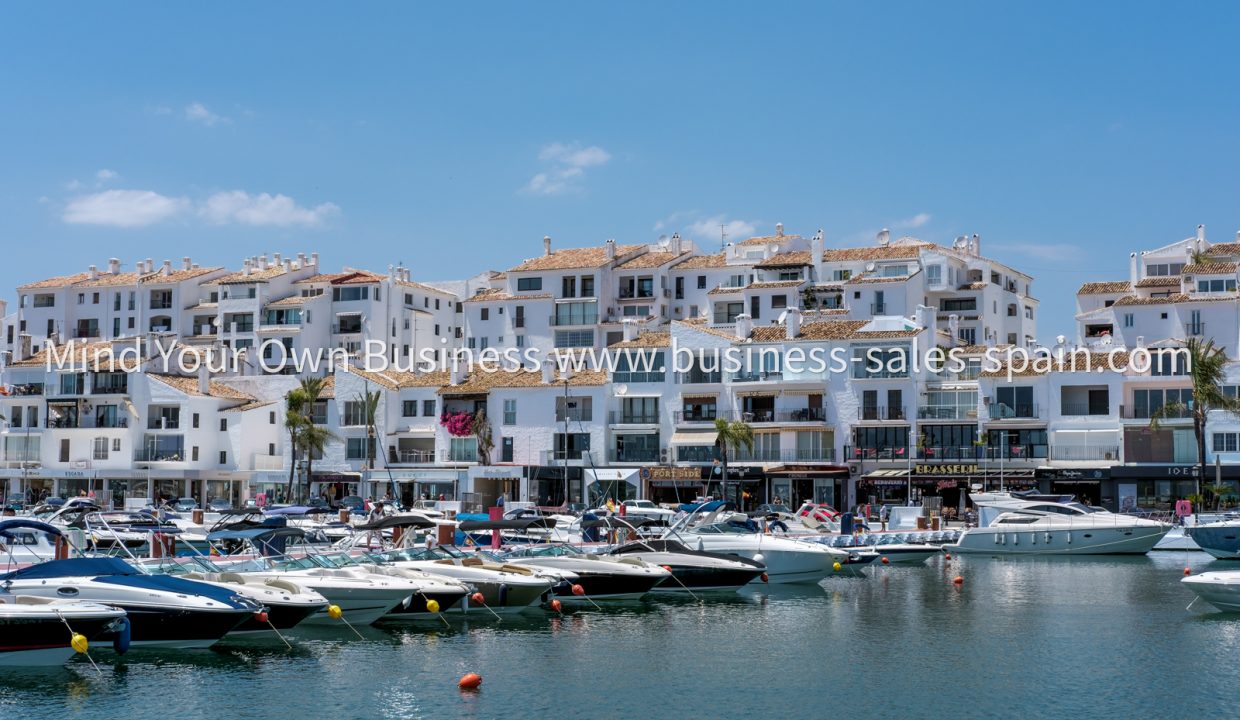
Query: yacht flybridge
x,y
1034,524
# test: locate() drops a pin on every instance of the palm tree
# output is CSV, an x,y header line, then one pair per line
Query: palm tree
x,y
313,439
1207,374
298,419
370,407
293,423
733,435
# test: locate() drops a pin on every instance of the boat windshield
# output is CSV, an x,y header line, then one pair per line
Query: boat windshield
x,y
416,554
722,528
545,551
257,565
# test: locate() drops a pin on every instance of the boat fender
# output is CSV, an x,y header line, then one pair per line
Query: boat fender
x,y
122,637
996,538
503,594
1015,538
1069,537
1048,538
1033,537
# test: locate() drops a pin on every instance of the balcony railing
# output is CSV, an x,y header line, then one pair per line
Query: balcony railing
x,y
1084,452
26,389
782,455
619,417
1129,412
780,416
878,308
756,375
1083,409
268,462
562,319
1197,328
120,387
874,412
699,378
946,412
1001,411
700,416
876,453
415,456
633,455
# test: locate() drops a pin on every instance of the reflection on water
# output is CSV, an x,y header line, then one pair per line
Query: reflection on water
x,y
1027,637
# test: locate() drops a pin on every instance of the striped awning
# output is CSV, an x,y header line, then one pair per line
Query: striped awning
x,y
706,437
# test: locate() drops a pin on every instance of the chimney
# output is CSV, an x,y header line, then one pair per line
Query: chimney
x,y
815,250
167,269
925,316
93,272
1132,270
675,247
744,326
884,237
792,322
953,326
1201,238
301,259
186,264
457,375
277,260
204,379
245,266
1140,341
610,248
288,265
391,272
779,229
137,267
547,366
546,245
977,244
630,330
114,265
314,260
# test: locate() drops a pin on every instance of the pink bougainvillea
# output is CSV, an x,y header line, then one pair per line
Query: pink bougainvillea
x,y
458,424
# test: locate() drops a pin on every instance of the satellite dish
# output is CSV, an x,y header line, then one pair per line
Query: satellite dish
x,y
773,247
622,390
869,267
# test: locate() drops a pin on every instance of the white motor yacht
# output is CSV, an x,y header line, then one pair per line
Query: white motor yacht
x,y
1220,588
1032,524
599,577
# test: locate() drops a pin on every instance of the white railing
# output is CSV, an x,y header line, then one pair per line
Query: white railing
x,y
268,462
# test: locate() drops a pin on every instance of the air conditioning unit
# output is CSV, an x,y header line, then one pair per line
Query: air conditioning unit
x,y
663,456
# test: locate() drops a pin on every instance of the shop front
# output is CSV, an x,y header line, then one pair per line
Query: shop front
x,y
1158,487
612,483
793,485
744,484
555,486
485,484
333,486
1091,486
948,483
673,485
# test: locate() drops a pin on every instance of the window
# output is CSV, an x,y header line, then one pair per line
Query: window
x,y
161,299
1162,270
529,284
841,275
1128,320
580,409
223,424
880,362
779,302
428,408
568,287
354,413
409,408
934,274
357,448
701,282
116,444
1013,402
100,449
1216,285
587,286
271,418
194,453
894,270
958,304
505,453
194,420
510,412
485,314
81,298
679,285
271,448
967,335
348,294
636,366
1167,402
1226,442
574,338
1168,362
576,313
223,457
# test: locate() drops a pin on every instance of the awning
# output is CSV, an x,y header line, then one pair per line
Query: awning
x,y
705,437
819,471
691,399
611,475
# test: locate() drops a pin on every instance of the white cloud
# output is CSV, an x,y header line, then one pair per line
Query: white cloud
x,y
714,229
567,163
918,220
140,208
238,206
197,112
105,175
124,208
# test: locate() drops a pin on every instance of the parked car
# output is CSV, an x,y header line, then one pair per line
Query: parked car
x,y
218,504
185,504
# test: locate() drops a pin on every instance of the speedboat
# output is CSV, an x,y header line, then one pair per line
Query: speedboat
x,y
431,593
1220,539
599,577
38,631
1032,524
889,546
693,570
1220,588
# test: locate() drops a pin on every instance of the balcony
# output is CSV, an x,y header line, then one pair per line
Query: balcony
x,y
700,416
26,389
161,448
1194,329
641,294
875,412
1083,410
900,453
584,458
947,412
1084,453
878,308
413,457
785,416
619,417
740,455
696,377
574,318
111,386
633,455
949,452
1129,412
1001,411
747,376
268,462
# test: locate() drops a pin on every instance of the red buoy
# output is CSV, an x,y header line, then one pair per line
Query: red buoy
x,y
765,577
470,681
1188,571
666,567
261,616
478,599
886,561
578,590
949,556
958,580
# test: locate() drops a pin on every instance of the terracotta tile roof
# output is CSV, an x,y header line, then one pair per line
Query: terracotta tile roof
x,y
868,278
204,305
249,406
111,280
1210,268
823,312
1079,361
177,276
830,330
1224,249
650,260
189,386
40,358
573,258
891,252
702,262
479,382
725,290
328,390
347,277
767,239
699,324
787,259
56,282
647,339
496,294
775,284
255,276
1168,281
397,379
1208,297
828,286
1134,300
974,286
426,288
291,301
1105,288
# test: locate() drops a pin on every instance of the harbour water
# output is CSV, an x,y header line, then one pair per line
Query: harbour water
x,y
1029,637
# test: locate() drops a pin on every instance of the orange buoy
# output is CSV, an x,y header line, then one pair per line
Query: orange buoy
x,y
948,556
886,561
556,605
261,616
1188,571
578,590
470,681
666,567
765,577
478,598
958,580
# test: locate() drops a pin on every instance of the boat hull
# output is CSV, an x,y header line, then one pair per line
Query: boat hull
x,y
44,641
1220,589
1133,540
1223,542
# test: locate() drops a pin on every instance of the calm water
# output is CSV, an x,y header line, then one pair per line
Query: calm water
x,y
1079,637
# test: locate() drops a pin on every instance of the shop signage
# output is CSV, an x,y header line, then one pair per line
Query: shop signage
x,y
671,473
961,469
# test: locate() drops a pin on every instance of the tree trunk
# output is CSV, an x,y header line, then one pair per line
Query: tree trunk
x,y
1199,427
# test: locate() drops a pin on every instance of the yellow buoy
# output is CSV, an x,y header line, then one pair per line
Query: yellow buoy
x,y
79,644
432,605
333,611
837,567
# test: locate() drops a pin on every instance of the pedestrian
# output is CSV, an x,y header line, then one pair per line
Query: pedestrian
x,y
883,514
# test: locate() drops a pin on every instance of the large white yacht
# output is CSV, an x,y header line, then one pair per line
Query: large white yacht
x,y
1033,524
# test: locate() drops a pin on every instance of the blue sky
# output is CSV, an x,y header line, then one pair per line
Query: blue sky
x,y
454,136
